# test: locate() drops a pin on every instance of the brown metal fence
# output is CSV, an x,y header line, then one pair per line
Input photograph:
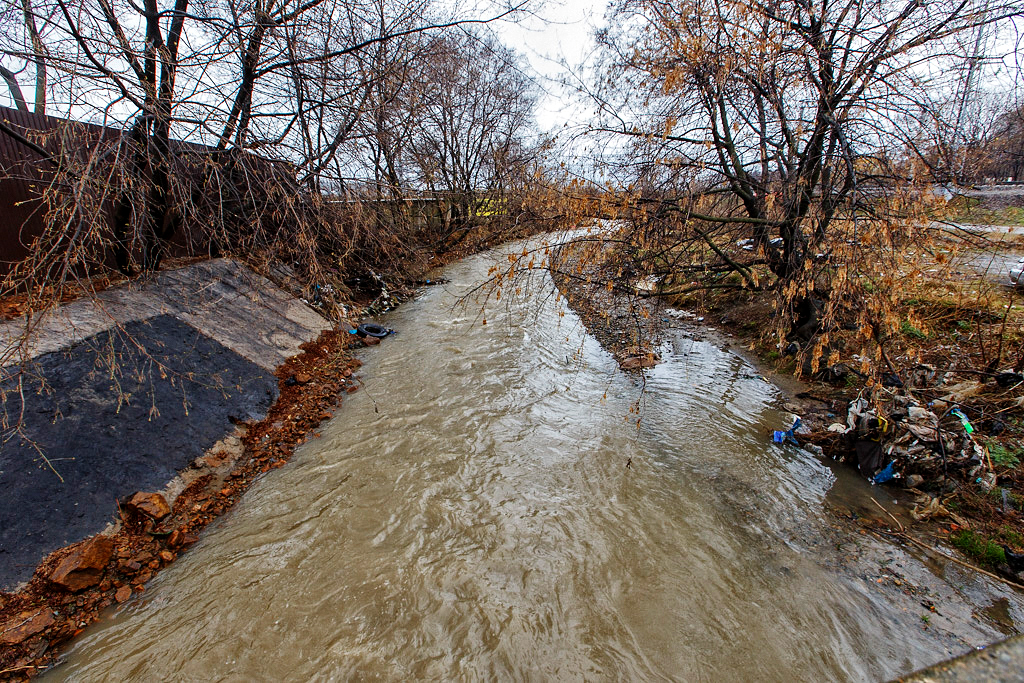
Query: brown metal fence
x,y
25,174
216,193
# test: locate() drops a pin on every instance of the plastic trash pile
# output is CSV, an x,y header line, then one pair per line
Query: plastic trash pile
x,y
925,446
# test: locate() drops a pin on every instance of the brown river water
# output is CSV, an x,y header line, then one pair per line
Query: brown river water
x,y
470,515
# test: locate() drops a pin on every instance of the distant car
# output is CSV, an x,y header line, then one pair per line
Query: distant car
x,y
1015,273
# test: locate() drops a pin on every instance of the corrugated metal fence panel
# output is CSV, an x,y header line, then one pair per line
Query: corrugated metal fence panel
x,y
25,175
21,185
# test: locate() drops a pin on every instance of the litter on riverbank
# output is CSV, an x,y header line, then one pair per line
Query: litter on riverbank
x,y
962,481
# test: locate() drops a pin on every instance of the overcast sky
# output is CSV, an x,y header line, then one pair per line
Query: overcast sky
x,y
558,33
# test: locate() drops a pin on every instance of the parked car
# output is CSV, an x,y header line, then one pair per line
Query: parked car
x,y
1016,271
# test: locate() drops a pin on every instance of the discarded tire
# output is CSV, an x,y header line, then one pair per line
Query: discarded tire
x,y
372,330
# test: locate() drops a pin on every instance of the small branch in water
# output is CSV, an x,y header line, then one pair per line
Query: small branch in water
x,y
899,525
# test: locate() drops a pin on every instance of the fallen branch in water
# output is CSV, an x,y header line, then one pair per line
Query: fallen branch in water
x,y
899,524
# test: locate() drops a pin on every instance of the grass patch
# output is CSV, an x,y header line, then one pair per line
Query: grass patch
x,y
970,210
1010,536
977,547
909,330
1001,455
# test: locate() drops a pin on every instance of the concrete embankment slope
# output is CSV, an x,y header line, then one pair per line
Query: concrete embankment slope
x,y
1002,662
118,393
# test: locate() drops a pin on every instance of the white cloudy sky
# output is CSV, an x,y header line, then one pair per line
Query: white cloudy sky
x,y
557,33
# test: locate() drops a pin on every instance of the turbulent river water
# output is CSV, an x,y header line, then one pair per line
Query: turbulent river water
x,y
470,515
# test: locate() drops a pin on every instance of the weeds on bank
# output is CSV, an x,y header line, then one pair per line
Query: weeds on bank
x,y
1004,455
970,211
986,552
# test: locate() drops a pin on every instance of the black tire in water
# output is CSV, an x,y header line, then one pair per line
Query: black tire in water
x,y
372,330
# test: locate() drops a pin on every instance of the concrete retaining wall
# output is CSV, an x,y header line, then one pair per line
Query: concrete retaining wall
x,y
114,395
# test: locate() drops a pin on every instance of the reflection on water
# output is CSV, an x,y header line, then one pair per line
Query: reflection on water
x,y
470,515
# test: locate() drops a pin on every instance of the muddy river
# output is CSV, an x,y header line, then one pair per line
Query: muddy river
x,y
501,503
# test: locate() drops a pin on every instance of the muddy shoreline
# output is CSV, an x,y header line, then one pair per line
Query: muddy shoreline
x,y
624,323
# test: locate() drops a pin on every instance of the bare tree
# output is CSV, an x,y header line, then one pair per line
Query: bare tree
x,y
476,113
782,123
1004,148
291,78
23,44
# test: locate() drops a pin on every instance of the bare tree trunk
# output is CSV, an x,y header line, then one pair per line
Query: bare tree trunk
x,y
39,49
12,85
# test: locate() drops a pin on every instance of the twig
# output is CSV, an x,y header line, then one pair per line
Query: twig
x,y
898,523
18,668
925,546
28,143
1002,328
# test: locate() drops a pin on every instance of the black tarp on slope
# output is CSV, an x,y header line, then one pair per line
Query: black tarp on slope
x,y
111,433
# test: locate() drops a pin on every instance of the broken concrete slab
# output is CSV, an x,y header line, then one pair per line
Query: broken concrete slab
x,y
119,393
120,412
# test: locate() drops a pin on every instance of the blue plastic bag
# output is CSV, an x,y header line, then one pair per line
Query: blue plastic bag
x,y
887,474
787,436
